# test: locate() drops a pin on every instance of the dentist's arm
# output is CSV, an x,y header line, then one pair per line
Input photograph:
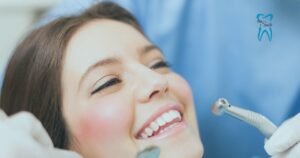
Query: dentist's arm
x,y
285,142
22,135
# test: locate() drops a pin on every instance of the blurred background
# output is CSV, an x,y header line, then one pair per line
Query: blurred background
x,y
16,19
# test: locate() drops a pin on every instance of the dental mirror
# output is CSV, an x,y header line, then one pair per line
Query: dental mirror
x,y
150,152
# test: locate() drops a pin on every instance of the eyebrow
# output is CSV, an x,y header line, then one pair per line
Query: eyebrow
x,y
112,60
149,48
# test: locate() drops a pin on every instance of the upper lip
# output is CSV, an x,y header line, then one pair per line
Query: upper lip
x,y
157,114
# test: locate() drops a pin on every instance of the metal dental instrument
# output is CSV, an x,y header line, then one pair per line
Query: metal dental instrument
x,y
264,125
150,152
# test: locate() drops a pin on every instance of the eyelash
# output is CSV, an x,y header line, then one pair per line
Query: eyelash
x,y
113,81
107,84
161,64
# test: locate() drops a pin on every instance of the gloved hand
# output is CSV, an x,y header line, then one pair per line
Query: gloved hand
x,y
22,135
285,142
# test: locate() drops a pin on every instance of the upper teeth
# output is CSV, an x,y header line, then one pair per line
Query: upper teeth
x,y
160,121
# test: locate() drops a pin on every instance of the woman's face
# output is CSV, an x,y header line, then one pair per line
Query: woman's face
x,y
119,96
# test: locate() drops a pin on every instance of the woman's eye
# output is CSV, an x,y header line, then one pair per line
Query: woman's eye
x,y
107,84
161,64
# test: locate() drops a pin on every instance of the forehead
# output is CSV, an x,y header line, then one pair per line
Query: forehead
x,y
106,36
100,39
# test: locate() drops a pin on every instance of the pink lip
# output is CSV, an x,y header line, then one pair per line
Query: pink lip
x,y
158,114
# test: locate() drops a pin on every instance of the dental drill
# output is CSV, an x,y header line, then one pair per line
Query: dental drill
x,y
264,125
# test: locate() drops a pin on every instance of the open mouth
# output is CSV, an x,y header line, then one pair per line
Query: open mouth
x,y
162,123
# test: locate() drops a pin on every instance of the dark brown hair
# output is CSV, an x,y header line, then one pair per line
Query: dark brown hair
x,y
33,76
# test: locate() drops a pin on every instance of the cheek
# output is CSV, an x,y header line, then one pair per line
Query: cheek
x,y
105,121
181,88
184,93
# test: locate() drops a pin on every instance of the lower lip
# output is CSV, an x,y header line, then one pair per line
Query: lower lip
x,y
175,129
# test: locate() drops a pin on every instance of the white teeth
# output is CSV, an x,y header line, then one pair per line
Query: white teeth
x,y
172,113
154,126
167,117
144,135
175,114
159,122
149,131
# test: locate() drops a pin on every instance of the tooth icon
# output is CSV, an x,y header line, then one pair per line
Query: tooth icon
x,y
265,26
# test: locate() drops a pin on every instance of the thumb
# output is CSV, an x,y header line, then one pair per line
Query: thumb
x,y
284,137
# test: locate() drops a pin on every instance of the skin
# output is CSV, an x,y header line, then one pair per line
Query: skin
x,y
107,121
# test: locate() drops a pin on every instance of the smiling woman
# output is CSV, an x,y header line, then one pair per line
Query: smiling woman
x,y
101,88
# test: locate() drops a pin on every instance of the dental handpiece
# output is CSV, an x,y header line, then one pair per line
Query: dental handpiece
x,y
264,125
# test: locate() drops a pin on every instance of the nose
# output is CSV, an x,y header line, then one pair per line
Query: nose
x,y
151,85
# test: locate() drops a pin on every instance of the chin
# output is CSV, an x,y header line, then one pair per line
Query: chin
x,y
185,144
186,150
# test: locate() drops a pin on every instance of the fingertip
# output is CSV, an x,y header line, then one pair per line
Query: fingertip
x,y
277,144
269,148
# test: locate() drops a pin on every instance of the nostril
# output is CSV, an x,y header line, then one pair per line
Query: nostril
x,y
153,93
167,89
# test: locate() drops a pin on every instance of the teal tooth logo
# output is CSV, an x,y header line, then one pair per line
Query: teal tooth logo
x,y
265,26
